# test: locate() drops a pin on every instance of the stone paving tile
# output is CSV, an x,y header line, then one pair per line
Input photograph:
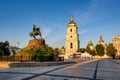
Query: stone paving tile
x,y
108,70
56,78
117,61
20,73
74,72
31,69
104,75
5,76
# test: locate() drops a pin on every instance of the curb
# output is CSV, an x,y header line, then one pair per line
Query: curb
x,y
32,64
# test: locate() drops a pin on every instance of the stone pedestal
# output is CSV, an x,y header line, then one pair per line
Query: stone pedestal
x,y
36,43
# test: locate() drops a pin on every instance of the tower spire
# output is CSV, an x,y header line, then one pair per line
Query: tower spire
x,y
71,18
101,39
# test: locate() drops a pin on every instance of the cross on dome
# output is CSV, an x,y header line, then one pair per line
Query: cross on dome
x,y
71,18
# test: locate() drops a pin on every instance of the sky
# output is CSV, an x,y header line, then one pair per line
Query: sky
x,y
93,18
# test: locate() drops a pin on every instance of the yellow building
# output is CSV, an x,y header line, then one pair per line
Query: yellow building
x,y
72,38
116,44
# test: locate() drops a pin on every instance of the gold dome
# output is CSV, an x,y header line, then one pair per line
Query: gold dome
x,y
101,40
72,23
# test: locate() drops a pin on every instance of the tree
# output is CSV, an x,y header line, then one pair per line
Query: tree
x,y
49,49
90,51
4,48
90,48
82,50
38,54
56,51
1,54
62,50
6,43
100,49
111,51
1,48
62,47
42,54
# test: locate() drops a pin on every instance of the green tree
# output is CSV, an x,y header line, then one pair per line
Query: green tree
x,y
1,53
38,54
4,47
110,50
43,55
6,43
49,49
56,52
100,49
62,47
1,48
82,50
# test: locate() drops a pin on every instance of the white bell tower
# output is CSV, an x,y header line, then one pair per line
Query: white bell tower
x,y
72,38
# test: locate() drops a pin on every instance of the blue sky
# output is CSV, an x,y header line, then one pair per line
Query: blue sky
x,y
93,18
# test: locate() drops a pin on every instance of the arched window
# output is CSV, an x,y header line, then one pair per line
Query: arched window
x,y
71,45
70,30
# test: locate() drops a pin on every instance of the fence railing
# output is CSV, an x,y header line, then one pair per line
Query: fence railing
x,y
30,58
26,58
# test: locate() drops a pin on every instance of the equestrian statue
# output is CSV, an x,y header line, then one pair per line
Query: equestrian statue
x,y
35,32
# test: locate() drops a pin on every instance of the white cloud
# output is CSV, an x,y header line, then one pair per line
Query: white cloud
x,y
45,32
83,31
56,40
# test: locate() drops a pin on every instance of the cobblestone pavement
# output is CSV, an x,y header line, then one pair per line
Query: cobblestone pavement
x,y
103,69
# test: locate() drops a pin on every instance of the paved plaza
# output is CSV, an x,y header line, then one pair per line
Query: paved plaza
x,y
94,69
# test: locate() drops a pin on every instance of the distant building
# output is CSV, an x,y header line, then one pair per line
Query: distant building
x,y
62,51
101,41
72,38
116,44
13,50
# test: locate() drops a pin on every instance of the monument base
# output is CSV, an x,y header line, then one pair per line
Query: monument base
x,y
36,43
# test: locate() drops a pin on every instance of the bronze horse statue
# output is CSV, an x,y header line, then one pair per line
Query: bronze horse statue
x,y
36,31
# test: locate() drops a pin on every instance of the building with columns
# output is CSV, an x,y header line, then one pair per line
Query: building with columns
x,y
72,38
116,44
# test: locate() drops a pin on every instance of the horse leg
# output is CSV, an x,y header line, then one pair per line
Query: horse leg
x,y
40,34
34,36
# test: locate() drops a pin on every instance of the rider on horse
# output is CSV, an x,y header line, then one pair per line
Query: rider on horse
x,y
36,31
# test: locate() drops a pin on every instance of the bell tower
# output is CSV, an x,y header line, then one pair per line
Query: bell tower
x,y
72,38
